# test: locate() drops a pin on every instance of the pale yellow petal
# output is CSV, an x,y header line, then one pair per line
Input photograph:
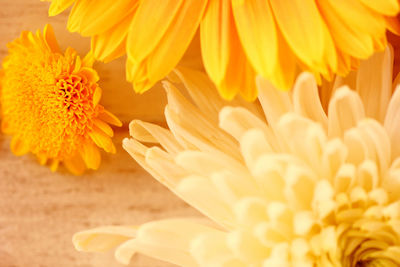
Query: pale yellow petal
x,y
103,238
167,240
369,79
306,99
345,110
274,102
148,132
200,193
392,122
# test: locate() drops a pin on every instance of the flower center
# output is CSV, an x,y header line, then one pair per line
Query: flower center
x,y
49,103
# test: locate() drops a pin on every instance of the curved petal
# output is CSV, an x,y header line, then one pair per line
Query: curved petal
x,y
58,6
369,79
112,43
257,32
306,33
91,156
149,26
103,238
352,31
386,7
215,30
100,16
168,51
345,110
50,38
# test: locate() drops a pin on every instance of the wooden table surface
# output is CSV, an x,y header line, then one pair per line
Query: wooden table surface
x,y
41,210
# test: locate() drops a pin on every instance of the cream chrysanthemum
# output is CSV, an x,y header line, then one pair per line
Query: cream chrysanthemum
x,y
308,181
50,103
239,39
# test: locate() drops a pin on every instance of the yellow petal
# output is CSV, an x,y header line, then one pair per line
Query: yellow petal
x,y
97,96
91,156
42,158
101,16
76,16
74,164
58,6
305,32
239,78
360,18
54,165
176,40
110,118
170,48
102,140
112,43
350,41
238,74
50,38
18,146
104,127
257,32
386,7
149,26
215,46
285,71
88,60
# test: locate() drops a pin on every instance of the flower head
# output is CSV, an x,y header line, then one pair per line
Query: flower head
x,y
50,103
295,183
239,39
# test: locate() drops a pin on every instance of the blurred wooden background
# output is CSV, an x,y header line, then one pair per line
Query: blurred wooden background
x,y
41,210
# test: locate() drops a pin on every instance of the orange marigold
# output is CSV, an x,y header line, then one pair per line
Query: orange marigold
x,y
50,103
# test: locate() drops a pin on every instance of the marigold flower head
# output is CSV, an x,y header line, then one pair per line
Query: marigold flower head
x,y
239,39
307,180
50,103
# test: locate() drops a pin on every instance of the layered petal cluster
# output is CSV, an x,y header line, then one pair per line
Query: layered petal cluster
x,y
50,103
292,182
239,39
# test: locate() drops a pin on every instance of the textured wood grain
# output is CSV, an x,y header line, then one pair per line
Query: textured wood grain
x,y
40,210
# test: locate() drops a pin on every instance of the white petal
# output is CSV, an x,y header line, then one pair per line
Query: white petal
x,y
345,110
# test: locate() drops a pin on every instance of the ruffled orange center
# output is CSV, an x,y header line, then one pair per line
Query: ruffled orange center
x,y
46,104
50,103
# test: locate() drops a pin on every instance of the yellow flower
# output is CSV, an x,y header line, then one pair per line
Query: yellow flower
x,y
50,103
292,182
239,39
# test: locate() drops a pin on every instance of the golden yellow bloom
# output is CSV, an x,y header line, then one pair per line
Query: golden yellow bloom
x,y
294,183
239,39
50,103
